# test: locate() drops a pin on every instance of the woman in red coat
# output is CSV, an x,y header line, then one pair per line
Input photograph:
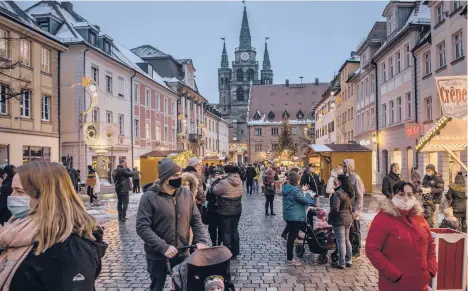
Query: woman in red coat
x,y
400,245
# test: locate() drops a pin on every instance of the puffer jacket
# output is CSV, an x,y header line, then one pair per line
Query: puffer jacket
x,y
456,196
176,214
200,197
295,203
436,183
229,191
340,209
401,248
388,182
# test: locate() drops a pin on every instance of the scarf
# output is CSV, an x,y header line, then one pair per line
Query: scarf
x,y
17,239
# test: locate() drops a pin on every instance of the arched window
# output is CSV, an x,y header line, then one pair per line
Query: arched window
x,y
250,74
240,75
240,94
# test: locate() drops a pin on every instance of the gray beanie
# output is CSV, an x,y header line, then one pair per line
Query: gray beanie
x,y
167,168
293,177
430,167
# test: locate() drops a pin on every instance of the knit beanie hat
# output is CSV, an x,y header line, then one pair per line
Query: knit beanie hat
x,y
293,177
459,179
192,162
229,169
167,168
213,281
321,213
430,167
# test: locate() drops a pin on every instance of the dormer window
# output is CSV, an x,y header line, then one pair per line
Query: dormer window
x,y
300,115
390,23
256,115
92,38
285,114
44,24
271,115
107,47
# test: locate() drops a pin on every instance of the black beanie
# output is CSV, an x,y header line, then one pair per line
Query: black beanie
x,y
167,168
230,169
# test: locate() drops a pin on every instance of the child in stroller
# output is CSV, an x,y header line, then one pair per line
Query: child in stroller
x,y
207,269
319,236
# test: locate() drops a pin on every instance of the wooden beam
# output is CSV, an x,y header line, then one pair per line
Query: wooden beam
x,y
455,157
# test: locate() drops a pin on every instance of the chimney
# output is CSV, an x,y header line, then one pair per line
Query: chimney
x,y
316,81
287,82
67,5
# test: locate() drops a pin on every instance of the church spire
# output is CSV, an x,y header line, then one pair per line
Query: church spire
x,y
224,56
244,39
266,56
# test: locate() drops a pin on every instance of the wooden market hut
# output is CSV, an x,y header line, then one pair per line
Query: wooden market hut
x,y
149,164
331,155
215,159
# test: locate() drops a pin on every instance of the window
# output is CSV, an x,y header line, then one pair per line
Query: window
x,y
274,147
294,130
398,109
136,93
407,56
372,113
121,124
372,83
398,62
25,52
441,54
158,132
107,47
367,87
456,4
147,130
95,74
250,74
174,110
158,102
240,75
440,13
408,104
458,44
258,147
166,135
274,131
391,114
390,24
173,134
121,86
3,99
92,38
95,115
25,104
428,105
384,115
390,68
109,84
258,131
136,124
4,44
165,106
427,63
43,24
240,94
32,154
45,108
148,97
358,91
45,60
384,73
352,113
109,116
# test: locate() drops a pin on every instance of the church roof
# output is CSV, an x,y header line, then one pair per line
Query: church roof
x,y
280,98
244,38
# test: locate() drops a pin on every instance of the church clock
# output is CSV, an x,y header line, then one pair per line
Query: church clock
x,y
245,56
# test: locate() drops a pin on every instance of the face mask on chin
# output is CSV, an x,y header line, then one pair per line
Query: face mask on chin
x,y
175,183
402,205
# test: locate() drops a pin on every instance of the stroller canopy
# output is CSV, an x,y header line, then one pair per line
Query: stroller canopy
x,y
209,256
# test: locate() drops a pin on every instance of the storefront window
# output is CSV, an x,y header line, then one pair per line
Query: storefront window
x,y
32,154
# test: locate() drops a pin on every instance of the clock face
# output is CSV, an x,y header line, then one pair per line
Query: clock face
x,y
244,56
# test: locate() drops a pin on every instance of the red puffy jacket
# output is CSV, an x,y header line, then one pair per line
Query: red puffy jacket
x,y
401,248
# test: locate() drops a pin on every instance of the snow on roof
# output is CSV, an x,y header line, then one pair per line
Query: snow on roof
x,y
148,51
171,80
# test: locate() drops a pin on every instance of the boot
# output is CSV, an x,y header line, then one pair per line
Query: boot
x,y
124,211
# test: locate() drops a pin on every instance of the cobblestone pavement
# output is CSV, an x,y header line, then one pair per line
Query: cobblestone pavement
x,y
261,266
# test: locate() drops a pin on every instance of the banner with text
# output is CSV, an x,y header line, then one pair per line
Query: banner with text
x,y
452,94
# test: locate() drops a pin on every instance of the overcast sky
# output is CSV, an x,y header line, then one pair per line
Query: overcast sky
x,y
309,39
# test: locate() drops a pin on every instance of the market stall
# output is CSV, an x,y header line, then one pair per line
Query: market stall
x,y
214,159
328,156
149,164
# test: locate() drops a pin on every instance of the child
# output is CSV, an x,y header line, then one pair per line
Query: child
x,y
214,283
320,220
450,221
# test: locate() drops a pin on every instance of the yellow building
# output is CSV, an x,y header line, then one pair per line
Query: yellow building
x,y
29,95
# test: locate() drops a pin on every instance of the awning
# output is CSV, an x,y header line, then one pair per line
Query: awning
x,y
447,133
160,153
324,148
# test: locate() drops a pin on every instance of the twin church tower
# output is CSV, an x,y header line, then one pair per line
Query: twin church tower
x,y
234,84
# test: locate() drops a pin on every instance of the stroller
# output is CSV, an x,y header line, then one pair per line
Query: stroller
x,y
320,241
190,275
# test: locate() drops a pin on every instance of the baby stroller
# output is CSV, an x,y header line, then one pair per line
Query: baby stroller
x,y
320,241
190,275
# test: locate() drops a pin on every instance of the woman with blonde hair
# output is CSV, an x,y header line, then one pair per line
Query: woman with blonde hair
x,y
51,242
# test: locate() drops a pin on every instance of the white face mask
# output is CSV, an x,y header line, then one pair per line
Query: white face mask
x,y
402,205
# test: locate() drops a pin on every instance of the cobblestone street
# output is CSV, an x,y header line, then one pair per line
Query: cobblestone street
x,y
260,266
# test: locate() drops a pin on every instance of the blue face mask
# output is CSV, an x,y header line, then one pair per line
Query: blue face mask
x,y
18,205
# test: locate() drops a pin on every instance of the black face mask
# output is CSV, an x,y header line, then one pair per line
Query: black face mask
x,y
175,183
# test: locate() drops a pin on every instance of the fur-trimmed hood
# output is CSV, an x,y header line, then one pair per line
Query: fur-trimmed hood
x,y
191,179
388,207
457,187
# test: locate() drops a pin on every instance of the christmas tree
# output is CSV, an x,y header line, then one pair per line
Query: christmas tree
x,y
285,140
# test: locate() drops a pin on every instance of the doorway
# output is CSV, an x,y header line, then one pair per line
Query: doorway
x,y
385,162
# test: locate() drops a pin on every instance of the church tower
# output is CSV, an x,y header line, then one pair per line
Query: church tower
x,y
224,81
267,72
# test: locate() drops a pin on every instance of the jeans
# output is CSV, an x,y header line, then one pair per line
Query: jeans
x,y
229,228
136,186
90,192
256,186
355,237
122,204
344,244
158,272
249,186
293,228
435,216
214,230
269,202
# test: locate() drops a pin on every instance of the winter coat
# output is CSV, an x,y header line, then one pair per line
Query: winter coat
x,y
388,182
200,193
229,192
91,179
416,179
359,189
436,183
165,220
5,191
136,175
250,173
269,181
121,177
401,248
295,203
456,196
340,209
311,179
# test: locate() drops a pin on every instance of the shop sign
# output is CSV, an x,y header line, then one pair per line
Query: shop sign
x,y
452,94
413,130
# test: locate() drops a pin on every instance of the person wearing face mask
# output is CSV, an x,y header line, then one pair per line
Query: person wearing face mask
x,y
435,182
194,167
166,214
399,243
5,190
390,180
51,242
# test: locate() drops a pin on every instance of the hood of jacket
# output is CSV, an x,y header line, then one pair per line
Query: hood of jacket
x,y
191,179
234,179
388,207
457,187
288,189
335,173
350,165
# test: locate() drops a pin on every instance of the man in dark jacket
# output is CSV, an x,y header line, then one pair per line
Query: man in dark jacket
x,y
390,180
250,173
5,190
456,197
136,180
311,179
121,177
166,214
194,167
434,180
